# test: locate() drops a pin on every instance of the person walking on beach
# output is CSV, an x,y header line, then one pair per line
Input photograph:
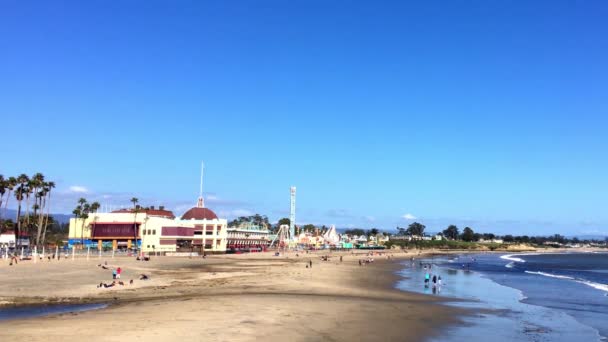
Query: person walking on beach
x,y
114,274
310,263
340,258
118,271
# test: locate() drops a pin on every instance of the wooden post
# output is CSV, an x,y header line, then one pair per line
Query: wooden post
x,y
57,252
21,252
35,253
88,251
73,252
42,252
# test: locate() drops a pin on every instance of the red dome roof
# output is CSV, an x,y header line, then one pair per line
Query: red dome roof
x,y
199,214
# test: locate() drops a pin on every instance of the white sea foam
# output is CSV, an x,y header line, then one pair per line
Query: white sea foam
x,y
510,265
550,275
598,286
511,258
601,287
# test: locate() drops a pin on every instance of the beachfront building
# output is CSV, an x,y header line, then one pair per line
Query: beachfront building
x,y
7,240
248,237
310,240
151,231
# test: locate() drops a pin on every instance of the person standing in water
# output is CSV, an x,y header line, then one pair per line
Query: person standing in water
x,y
427,278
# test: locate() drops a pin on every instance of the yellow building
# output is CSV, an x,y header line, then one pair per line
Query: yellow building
x,y
152,230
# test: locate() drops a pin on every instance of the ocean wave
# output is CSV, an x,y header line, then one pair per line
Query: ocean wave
x,y
601,287
510,265
511,258
550,275
598,286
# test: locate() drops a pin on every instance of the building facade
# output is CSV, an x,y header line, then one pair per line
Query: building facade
x,y
151,231
248,237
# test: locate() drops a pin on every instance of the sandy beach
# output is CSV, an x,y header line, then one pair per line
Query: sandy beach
x,y
223,298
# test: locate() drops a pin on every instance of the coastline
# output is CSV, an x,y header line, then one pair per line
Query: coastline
x,y
502,310
239,297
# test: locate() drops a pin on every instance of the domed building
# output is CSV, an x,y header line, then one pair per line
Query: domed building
x,y
209,234
197,213
151,230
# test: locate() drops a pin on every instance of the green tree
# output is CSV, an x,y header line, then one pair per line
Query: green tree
x,y
416,229
10,184
468,234
374,231
21,182
310,228
48,189
3,188
81,212
451,232
355,231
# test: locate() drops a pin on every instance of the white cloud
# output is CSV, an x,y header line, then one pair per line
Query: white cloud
x,y
409,216
78,189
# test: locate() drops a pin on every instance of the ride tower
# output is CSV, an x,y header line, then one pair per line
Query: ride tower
x,y
292,214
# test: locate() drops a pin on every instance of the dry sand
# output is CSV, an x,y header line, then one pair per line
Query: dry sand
x,y
223,298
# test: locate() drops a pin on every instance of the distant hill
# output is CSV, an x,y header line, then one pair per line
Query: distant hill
x,y
12,214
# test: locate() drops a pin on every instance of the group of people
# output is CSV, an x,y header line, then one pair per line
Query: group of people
x,y
14,259
432,280
116,275
369,260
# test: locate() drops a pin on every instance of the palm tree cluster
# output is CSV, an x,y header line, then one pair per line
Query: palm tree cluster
x,y
82,211
29,189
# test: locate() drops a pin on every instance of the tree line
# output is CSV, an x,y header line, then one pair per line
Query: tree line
x,y
35,191
452,232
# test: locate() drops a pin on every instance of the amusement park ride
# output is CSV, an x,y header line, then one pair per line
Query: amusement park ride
x,y
286,236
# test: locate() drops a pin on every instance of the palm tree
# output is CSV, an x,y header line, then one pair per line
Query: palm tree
x,y
11,182
81,212
29,189
49,187
36,186
22,181
3,188
39,205
134,200
94,207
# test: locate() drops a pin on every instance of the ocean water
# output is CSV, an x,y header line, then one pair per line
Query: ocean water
x,y
544,297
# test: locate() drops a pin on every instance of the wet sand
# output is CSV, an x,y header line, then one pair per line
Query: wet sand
x,y
224,298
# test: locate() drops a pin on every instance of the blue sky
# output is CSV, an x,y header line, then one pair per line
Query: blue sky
x,y
491,114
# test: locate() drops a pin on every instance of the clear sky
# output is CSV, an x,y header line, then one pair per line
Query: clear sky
x,y
492,114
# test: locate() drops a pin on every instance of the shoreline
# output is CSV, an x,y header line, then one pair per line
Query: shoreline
x,y
250,296
490,296
330,298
